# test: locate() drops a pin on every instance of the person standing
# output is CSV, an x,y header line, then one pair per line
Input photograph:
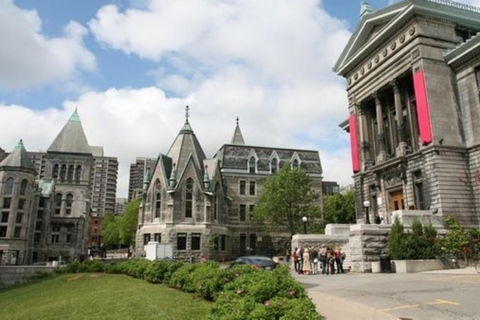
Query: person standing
x,y
295,259
322,257
306,262
338,259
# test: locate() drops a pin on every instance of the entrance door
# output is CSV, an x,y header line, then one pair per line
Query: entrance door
x,y
396,201
243,244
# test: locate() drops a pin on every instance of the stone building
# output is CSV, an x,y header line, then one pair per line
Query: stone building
x,y
203,206
46,198
412,72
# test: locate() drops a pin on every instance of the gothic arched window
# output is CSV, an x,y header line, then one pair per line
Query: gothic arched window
x,y
189,198
8,187
273,165
58,203
295,164
70,173
158,198
23,187
216,203
251,165
78,173
55,171
63,172
68,204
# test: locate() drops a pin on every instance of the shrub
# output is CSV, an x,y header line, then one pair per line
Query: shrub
x,y
182,278
172,268
208,279
397,241
136,267
156,271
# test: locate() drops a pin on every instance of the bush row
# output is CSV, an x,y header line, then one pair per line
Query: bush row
x,y
241,292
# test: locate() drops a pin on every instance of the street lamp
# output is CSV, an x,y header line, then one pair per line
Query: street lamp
x,y
305,219
366,204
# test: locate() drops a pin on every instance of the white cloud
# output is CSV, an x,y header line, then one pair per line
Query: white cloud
x,y
29,58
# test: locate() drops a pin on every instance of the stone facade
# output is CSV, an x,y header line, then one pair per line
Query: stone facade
x,y
203,206
413,91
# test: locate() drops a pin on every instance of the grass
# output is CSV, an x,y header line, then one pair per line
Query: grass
x,y
99,296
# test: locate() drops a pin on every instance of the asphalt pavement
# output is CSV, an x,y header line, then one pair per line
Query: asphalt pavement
x,y
432,295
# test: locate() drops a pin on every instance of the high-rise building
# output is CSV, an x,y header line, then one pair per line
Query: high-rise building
x,y
137,172
103,183
120,206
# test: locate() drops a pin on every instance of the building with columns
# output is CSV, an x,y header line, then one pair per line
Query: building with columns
x,y
203,206
413,79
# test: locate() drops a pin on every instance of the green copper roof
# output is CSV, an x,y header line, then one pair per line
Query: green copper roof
x,y
18,158
74,117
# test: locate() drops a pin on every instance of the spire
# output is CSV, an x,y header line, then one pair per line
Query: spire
x,y
18,158
206,179
237,135
185,146
172,182
72,138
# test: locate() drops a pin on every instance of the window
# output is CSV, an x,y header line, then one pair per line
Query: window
x,y
38,225
55,238
222,242
146,238
8,187
19,217
68,238
195,241
41,203
16,232
78,173
36,237
6,203
68,204
3,231
295,164
63,172
23,187
253,243
58,203
157,237
55,228
70,173
55,171
158,199
181,241
251,165
243,212
216,201
188,198
273,165
252,188
40,214
418,191
243,186
5,216
21,204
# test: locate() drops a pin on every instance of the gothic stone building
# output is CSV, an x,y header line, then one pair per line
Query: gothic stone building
x,y
203,206
45,199
412,71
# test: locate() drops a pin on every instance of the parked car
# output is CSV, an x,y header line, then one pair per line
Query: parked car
x,y
259,261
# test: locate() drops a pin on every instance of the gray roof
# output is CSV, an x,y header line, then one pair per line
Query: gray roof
x,y
18,158
237,136
72,138
186,144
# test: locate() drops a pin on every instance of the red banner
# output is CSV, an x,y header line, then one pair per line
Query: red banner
x,y
422,108
353,143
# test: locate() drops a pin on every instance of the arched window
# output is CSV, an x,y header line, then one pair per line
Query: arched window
x,y
23,187
55,171
68,204
158,198
216,203
295,164
63,172
78,173
8,187
70,173
189,198
273,165
251,165
58,203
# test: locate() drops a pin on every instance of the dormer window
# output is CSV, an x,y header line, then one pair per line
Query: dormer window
x,y
273,165
295,164
252,165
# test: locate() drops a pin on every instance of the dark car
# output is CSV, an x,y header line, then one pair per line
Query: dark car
x,y
259,261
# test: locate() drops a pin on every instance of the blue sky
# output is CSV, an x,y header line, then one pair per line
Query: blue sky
x,y
131,67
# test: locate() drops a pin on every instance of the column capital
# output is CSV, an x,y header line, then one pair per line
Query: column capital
x,y
376,96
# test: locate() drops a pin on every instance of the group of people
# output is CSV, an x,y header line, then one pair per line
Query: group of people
x,y
313,260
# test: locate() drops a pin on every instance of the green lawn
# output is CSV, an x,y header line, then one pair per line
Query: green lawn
x,y
99,296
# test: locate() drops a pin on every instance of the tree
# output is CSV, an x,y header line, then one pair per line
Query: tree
x,y
397,241
129,222
287,196
339,208
110,230
456,238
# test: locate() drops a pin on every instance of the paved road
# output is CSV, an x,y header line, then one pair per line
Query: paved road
x,y
442,295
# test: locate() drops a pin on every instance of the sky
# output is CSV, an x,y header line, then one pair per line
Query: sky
x,y
131,67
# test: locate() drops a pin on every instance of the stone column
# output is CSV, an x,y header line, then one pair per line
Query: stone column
x,y
364,141
382,155
401,149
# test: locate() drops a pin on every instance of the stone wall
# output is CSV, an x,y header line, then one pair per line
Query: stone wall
x,y
12,275
367,243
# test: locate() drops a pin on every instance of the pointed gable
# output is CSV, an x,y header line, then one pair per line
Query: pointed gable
x,y
185,146
72,138
18,159
237,136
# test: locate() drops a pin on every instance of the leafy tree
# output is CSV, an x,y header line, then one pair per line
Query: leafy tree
x,y
456,238
287,196
128,223
110,230
339,208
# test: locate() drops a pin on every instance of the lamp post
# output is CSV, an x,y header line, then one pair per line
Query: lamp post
x,y
305,219
366,204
